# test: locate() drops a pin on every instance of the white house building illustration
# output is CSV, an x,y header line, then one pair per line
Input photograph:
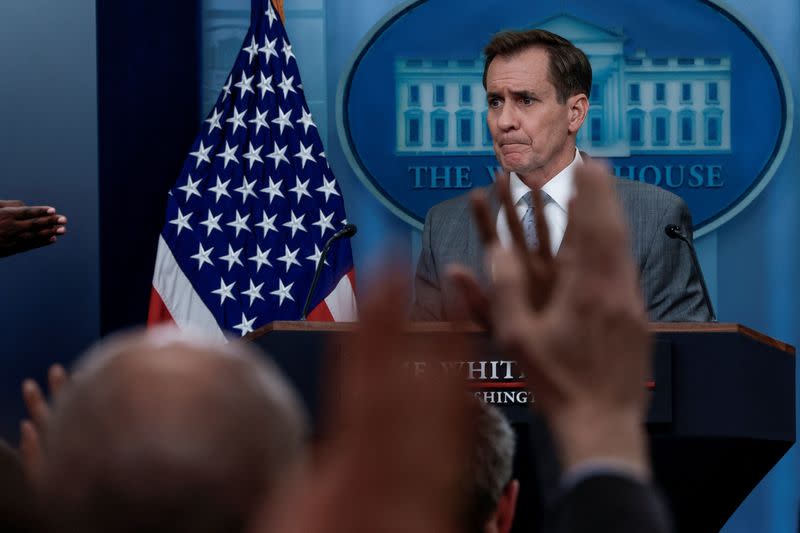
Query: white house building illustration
x,y
638,104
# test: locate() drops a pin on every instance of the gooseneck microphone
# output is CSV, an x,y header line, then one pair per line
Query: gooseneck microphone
x,y
346,232
674,231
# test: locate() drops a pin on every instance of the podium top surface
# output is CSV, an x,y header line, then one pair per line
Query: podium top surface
x,y
466,327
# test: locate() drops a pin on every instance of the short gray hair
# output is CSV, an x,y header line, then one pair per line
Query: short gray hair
x,y
169,431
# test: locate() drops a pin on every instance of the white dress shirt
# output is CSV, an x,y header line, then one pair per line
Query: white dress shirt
x,y
557,193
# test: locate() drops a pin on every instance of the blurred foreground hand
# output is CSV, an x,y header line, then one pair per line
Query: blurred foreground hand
x,y
575,321
33,429
394,447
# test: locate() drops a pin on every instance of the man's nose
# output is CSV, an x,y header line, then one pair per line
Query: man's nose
x,y
508,118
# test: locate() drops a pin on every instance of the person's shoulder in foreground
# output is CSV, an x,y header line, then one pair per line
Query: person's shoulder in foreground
x,y
611,502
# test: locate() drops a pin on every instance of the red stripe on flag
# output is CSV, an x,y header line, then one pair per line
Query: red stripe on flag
x,y
352,275
320,313
157,313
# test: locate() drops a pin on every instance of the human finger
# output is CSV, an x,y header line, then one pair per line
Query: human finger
x,y
544,250
11,203
31,449
370,360
47,222
35,402
475,297
28,212
56,379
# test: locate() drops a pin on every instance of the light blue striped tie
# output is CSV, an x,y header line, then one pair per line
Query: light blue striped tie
x,y
529,222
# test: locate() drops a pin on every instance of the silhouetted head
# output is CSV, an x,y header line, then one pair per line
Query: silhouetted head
x,y
169,431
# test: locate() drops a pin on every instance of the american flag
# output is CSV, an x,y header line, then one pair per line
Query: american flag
x,y
254,204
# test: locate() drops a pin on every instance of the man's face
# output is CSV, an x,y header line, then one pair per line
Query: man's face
x,y
529,126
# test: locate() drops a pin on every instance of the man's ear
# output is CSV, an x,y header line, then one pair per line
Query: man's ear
x,y
578,108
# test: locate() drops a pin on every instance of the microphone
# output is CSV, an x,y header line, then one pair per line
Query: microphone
x,y
346,232
674,231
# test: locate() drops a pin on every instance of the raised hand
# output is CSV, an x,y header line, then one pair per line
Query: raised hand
x,y
32,430
394,448
585,346
25,227
539,263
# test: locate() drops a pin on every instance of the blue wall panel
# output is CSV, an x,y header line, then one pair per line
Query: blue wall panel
x,y
49,298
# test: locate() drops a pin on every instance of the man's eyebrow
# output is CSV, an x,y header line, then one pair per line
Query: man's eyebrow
x,y
522,93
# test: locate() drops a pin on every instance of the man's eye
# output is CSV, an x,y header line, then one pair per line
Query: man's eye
x,y
527,100
494,102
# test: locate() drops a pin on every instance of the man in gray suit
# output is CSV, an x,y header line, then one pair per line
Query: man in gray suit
x,y
538,86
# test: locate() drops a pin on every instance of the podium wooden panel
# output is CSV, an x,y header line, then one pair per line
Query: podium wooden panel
x,y
722,412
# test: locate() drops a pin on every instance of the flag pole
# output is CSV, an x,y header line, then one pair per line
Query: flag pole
x,y
279,8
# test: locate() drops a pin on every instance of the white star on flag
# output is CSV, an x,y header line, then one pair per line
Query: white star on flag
x,y
286,84
283,119
213,121
306,120
261,258
201,154
268,50
329,188
220,189
191,187
278,154
316,256
287,51
305,154
282,291
212,222
253,155
268,223
289,258
203,256
229,154
300,189
295,223
232,257
270,13
276,206
236,119
239,224
245,85
254,292
226,89
324,223
182,221
260,120
224,291
251,50
274,189
246,189
245,326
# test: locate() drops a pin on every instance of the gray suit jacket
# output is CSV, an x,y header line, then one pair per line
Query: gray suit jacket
x,y
670,284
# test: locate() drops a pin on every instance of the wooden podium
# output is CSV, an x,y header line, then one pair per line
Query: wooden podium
x,y
722,408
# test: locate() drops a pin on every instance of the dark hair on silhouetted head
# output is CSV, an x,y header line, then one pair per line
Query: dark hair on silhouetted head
x,y
569,68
